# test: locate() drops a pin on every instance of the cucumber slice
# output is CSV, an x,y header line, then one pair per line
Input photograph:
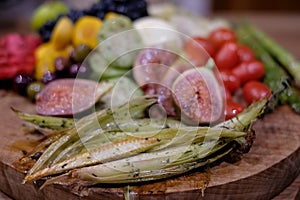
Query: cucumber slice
x,y
101,69
123,90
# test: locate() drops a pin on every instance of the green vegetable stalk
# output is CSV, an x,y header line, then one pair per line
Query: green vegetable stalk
x,y
275,77
53,123
284,57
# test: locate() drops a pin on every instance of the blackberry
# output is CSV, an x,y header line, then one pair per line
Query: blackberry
x,y
45,34
97,10
130,8
141,5
74,15
99,7
121,10
100,15
112,7
122,1
49,25
135,15
45,31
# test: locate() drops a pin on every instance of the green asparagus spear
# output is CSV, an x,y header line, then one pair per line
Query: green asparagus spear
x,y
283,56
275,77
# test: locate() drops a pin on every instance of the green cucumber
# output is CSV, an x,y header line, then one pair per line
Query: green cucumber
x,y
101,69
123,90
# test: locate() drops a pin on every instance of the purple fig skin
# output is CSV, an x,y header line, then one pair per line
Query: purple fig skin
x,y
151,64
150,68
198,96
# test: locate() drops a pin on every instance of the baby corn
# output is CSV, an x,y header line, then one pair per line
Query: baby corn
x,y
110,147
88,124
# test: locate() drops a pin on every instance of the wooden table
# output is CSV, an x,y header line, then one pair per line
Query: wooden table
x,y
282,27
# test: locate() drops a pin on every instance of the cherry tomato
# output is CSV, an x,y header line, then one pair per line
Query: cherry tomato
x,y
228,95
254,91
232,109
227,57
200,42
245,53
198,50
250,70
230,80
220,36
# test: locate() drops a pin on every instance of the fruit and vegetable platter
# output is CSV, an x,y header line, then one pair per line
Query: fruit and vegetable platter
x,y
123,100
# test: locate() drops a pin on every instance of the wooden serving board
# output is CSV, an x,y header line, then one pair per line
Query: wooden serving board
x,y
270,166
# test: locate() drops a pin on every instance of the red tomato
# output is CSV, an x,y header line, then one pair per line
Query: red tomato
x,y
232,109
220,36
250,70
227,57
245,53
228,95
198,50
254,91
230,80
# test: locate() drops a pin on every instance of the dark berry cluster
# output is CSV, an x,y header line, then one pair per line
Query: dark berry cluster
x,y
131,8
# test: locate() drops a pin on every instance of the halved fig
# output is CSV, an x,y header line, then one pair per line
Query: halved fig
x,y
64,97
163,90
198,95
151,64
164,97
175,70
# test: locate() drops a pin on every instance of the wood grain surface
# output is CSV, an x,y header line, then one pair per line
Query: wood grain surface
x,y
266,172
